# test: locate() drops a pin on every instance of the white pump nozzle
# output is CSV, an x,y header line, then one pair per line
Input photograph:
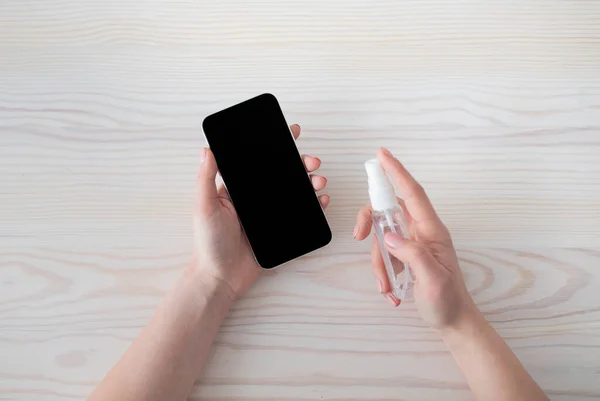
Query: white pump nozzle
x,y
381,192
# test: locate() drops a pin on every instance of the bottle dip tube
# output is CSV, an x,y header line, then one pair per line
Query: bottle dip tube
x,y
388,216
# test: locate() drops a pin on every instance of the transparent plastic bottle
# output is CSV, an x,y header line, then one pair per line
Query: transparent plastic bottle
x,y
388,216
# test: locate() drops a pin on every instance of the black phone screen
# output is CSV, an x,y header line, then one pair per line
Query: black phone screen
x,y
267,182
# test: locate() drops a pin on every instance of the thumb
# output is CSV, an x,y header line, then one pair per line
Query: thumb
x,y
206,188
418,257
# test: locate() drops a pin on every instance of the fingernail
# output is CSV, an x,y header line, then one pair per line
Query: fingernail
x,y
202,155
355,233
380,285
393,240
386,152
298,125
391,299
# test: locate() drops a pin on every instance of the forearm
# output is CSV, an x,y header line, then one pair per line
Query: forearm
x,y
164,361
492,370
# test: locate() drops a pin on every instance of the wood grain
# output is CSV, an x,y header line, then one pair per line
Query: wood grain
x,y
494,106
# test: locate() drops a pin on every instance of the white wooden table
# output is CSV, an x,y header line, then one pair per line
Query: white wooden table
x,y
493,105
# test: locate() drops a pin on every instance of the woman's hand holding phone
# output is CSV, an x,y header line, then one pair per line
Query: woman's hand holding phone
x,y
222,254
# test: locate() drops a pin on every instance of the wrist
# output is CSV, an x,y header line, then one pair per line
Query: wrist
x,y
467,327
212,288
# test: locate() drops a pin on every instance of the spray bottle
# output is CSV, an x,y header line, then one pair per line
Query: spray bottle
x,y
388,216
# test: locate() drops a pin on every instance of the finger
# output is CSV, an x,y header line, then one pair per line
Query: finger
x,y
417,202
324,201
383,283
415,254
380,274
224,199
311,163
295,128
392,299
408,220
206,189
364,220
407,217
223,193
318,182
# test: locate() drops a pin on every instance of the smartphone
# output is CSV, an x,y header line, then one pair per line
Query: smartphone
x,y
266,179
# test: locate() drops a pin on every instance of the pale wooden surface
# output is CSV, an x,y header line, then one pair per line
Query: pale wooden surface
x,y
495,107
